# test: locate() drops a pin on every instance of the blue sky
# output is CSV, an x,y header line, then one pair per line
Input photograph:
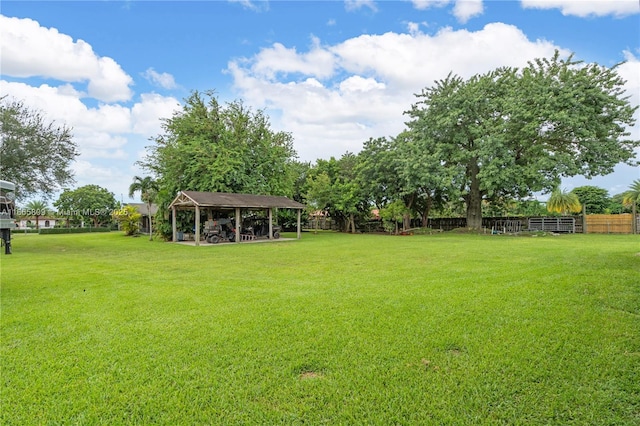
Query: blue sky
x,y
333,73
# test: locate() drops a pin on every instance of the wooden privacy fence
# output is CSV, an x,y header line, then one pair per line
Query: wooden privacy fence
x,y
610,223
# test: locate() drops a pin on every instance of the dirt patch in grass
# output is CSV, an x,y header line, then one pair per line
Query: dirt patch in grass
x,y
307,375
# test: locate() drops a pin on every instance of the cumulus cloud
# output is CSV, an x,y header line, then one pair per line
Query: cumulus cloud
x,y
73,72
585,8
362,86
630,71
30,50
164,80
147,114
467,9
278,59
103,133
463,10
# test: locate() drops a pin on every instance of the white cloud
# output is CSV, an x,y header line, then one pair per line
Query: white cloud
x,y
413,28
114,179
358,84
164,80
101,145
103,133
467,9
256,6
630,71
147,113
352,5
278,59
463,10
30,50
426,4
364,84
585,8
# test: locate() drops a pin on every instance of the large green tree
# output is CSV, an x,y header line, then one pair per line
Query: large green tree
x,y
511,132
34,153
332,187
208,146
397,169
595,200
148,189
89,202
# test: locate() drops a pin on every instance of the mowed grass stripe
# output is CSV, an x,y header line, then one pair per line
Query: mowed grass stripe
x,y
334,328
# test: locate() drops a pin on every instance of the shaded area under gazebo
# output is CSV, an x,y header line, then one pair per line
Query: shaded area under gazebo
x,y
228,202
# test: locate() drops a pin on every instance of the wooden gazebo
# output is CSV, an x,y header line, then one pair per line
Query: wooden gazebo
x,y
221,201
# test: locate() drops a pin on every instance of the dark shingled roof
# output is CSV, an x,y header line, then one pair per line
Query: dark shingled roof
x,y
228,200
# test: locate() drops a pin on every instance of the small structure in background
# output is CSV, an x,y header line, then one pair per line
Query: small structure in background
x,y
147,215
220,207
43,222
7,213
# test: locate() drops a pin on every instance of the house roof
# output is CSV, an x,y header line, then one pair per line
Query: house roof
x,y
229,200
142,208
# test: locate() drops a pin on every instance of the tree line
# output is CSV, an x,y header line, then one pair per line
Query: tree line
x,y
471,147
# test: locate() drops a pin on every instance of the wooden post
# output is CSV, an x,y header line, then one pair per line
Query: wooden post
x,y
270,223
634,219
299,230
197,225
584,219
173,224
238,224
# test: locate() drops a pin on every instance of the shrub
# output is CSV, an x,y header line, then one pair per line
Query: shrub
x,y
72,230
129,219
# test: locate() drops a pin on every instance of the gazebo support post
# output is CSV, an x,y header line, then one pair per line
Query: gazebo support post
x,y
238,224
173,224
197,236
299,231
270,223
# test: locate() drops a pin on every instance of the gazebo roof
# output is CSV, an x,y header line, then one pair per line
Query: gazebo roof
x,y
229,200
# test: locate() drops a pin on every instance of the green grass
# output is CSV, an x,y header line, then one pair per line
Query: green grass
x,y
331,329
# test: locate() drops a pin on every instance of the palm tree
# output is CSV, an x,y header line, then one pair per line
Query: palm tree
x,y
563,202
148,189
632,197
37,209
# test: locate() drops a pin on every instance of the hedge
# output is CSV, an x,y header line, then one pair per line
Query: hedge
x,y
73,230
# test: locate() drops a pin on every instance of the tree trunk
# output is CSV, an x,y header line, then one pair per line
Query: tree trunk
x,y
406,217
353,223
474,198
150,222
425,213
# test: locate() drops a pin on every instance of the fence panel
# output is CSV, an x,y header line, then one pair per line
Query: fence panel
x,y
552,224
609,223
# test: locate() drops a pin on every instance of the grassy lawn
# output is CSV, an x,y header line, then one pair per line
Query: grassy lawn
x,y
331,329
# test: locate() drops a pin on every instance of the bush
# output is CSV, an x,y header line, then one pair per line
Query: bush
x,y
129,219
25,231
72,230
